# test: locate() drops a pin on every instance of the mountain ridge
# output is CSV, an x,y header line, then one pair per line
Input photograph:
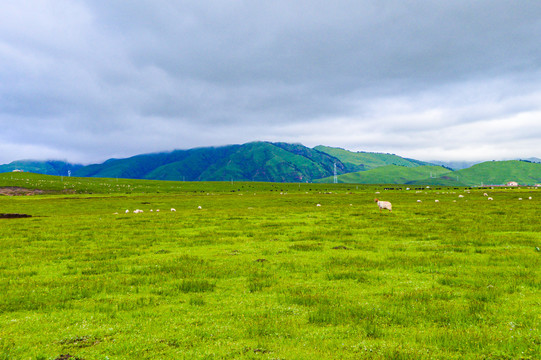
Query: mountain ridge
x,y
288,162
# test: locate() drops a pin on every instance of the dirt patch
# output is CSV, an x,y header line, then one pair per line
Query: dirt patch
x,y
14,216
19,191
68,357
342,247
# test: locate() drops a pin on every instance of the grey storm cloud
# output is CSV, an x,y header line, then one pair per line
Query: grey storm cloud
x,y
87,80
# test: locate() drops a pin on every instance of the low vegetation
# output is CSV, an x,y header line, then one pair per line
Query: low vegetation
x,y
258,271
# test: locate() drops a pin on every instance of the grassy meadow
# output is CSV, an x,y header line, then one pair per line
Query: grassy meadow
x,y
259,271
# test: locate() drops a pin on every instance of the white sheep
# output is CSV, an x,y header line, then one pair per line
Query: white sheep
x,y
384,205
318,204
127,211
489,198
419,201
485,194
199,207
436,201
460,196
137,211
520,198
529,198
173,210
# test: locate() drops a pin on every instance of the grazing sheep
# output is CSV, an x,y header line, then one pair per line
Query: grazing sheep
x,y
384,205
199,207
489,198
436,201
485,194
137,211
520,198
460,196
172,209
529,198
419,201
127,211
318,204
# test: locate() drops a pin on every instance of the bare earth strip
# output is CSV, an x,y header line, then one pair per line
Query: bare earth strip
x,y
18,191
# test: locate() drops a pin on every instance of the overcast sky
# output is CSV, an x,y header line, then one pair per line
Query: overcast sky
x,y
87,80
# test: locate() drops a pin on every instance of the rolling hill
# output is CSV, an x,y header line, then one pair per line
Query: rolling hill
x,y
390,174
496,173
368,160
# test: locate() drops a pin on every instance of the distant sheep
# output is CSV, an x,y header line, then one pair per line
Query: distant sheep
x,y
530,198
460,196
137,211
419,201
520,198
318,204
485,194
199,207
127,211
436,201
489,198
384,205
173,210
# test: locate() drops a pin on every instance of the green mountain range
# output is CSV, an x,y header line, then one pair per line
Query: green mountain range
x,y
284,162
256,161
51,167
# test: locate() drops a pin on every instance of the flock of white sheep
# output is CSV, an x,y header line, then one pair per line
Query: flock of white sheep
x,y
139,211
388,206
382,205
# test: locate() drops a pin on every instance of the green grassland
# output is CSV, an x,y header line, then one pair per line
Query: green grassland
x,y
261,272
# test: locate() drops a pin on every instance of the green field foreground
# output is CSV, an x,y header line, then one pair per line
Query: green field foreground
x,y
260,271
